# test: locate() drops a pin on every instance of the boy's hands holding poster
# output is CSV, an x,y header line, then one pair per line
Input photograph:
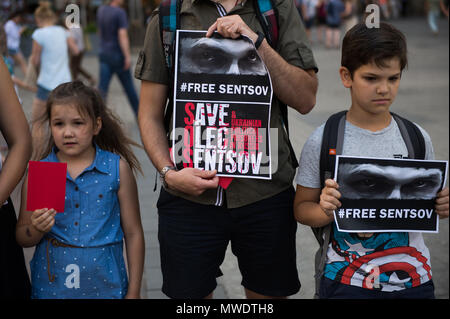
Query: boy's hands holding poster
x,y
441,207
329,198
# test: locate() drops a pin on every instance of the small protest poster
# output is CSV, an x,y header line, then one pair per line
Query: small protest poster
x,y
222,101
46,186
388,195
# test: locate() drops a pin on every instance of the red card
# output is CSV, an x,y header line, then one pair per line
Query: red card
x,y
46,185
225,181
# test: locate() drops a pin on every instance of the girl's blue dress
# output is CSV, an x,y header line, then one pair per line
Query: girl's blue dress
x,y
82,255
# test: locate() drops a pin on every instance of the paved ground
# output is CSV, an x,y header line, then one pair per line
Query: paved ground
x,y
423,98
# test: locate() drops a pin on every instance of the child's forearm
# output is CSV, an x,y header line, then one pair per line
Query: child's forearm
x,y
28,235
135,247
23,85
311,214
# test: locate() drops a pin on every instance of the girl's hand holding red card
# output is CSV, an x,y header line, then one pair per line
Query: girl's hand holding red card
x,y
46,186
43,219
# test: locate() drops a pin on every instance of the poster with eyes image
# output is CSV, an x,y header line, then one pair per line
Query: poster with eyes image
x,y
222,101
388,195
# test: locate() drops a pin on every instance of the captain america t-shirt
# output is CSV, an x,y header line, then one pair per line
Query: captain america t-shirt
x,y
384,261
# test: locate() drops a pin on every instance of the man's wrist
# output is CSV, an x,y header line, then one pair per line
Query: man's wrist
x,y
259,40
163,174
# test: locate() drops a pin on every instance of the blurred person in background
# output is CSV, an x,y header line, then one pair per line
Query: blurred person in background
x,y
115,56
50,55
13,31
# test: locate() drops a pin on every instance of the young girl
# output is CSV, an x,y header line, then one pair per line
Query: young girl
x,y
79,252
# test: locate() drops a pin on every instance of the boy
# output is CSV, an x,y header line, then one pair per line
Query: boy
x,y
372,64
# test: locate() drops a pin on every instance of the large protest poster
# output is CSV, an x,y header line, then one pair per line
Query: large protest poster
x,y
222,101
388,195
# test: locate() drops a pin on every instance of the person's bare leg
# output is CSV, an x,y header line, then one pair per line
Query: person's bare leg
x,y
254,295
328,38
337,38
19,59
320,33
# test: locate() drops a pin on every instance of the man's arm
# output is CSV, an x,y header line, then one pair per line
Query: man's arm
x,y
125,47
287,80
151,124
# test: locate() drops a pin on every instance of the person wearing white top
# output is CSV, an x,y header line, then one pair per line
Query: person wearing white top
x,y
13,31
50,55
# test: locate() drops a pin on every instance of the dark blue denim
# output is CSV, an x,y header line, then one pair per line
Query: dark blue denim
x,y
112,63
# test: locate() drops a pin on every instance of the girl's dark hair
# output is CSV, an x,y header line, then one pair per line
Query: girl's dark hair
x,y
88,101
362,45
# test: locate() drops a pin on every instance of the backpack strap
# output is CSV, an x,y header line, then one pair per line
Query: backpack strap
x,y
169,12
267,15
332,144
413,137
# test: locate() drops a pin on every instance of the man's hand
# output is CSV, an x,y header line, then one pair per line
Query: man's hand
x,y
127,63
329,198
231,27
442,203
192,181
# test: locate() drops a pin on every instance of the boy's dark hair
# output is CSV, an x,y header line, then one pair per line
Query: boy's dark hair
x,y
362,45
89,103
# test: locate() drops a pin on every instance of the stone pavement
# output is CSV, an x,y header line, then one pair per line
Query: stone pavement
x,y
423,97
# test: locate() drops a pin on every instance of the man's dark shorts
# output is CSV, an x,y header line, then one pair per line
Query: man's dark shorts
x,y
193,239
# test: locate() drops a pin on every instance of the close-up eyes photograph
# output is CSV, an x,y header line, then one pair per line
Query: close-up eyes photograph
x,y
220,56
359,181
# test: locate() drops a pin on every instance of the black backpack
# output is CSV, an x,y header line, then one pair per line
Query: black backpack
x,y
332,143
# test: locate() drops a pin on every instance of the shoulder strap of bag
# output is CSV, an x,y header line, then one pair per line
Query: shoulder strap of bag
x,y
169,13
332,143
413,137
